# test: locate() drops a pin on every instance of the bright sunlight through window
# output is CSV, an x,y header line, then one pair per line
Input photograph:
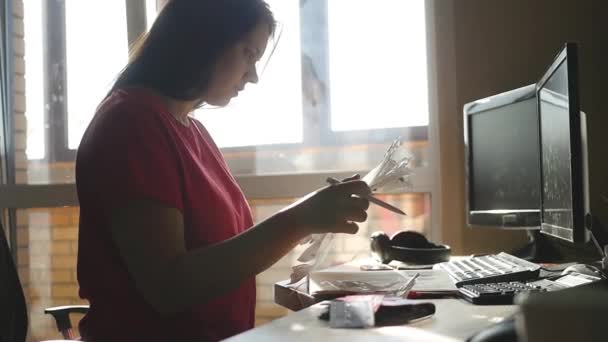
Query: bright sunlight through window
x,y
97,49
34,89
377,64
269,112
377,71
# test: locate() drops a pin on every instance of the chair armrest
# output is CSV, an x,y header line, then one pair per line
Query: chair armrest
x,y
62,315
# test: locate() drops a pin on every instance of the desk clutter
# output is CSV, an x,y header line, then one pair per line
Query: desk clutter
x,y
365,311
391,288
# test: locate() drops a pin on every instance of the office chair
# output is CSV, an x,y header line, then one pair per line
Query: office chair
x,y
13,311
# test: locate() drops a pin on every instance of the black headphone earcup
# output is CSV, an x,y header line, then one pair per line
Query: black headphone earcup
x,y
410,239
381,247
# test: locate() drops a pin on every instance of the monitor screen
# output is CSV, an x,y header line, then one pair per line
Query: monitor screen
x,y
562,195
502,149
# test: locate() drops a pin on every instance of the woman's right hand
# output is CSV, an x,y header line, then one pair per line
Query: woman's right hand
x,y
332,209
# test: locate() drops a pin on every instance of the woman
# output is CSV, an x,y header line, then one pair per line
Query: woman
x,y
168,250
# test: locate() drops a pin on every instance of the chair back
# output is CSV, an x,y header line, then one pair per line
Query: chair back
x,y
13,310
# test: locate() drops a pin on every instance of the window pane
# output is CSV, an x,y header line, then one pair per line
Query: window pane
x,y
377,64
32,23
269,112
96,52
150,13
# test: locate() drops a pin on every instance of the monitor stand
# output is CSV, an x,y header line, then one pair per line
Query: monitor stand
x,y
541,248
536,249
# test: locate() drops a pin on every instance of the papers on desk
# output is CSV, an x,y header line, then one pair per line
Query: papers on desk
x,y
350,279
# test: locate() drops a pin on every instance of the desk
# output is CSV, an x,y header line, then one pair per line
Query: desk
x,y
454,320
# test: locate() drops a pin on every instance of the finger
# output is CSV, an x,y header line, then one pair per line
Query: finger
x,y
345,227
353,202
351,178
359,202
355,187
352,214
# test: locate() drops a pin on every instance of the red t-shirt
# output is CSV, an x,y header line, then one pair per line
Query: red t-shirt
x,y
134,149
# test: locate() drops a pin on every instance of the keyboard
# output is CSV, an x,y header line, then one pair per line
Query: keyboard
x,y
498,293
503,293
493,268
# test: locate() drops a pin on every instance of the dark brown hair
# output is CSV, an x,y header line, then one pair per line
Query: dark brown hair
x,y
177,55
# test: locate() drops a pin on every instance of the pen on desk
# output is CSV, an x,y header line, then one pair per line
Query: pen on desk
x,y
412,282
409,285
372,199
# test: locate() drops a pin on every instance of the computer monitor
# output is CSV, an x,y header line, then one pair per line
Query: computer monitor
x,y
564,189
502,160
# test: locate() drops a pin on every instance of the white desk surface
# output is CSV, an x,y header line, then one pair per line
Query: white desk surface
x,y
454,320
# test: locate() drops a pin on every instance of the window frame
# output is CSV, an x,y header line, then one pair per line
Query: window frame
x,y
55,73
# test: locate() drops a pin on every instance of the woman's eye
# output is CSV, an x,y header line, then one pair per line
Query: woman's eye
x,y
250,55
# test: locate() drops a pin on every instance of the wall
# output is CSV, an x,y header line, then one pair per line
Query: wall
x,y
502,45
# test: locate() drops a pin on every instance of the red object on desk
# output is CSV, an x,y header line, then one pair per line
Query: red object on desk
x,y
429,295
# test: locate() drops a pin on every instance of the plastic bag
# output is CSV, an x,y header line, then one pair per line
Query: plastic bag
x,y
392,174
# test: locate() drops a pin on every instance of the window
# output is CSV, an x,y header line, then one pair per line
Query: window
x,y
34,79
323,61
331,81
72,57
377,55
275,102
93,58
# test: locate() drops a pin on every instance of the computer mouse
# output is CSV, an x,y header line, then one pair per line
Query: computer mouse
x,y
583,269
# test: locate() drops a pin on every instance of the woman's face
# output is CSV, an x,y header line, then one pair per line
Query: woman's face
x,y
236,67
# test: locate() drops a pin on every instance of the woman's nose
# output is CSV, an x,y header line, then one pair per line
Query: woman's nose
x,y
252,76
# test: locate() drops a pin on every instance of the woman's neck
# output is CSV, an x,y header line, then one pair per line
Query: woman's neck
x,y
179,108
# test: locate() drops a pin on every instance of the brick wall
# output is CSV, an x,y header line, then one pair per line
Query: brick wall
x,y
47,247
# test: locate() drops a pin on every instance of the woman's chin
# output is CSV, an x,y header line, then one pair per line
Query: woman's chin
x,y
219,102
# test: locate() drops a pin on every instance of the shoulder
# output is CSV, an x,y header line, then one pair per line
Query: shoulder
x,y
204,133
126,118
130,112
131,103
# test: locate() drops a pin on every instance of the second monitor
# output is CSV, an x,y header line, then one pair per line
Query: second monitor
x,y
564,195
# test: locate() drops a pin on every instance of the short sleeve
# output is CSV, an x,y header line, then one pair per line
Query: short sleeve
x,y
140,157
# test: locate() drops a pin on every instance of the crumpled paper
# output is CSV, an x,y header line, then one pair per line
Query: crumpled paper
x,y
392,174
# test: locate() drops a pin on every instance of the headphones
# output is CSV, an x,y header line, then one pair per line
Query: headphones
x,y
408,246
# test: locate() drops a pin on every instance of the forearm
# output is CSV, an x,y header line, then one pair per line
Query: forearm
x,y
173,279
211,271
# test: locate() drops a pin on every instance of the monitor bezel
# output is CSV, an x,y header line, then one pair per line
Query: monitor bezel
x,y
512,219
568,54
